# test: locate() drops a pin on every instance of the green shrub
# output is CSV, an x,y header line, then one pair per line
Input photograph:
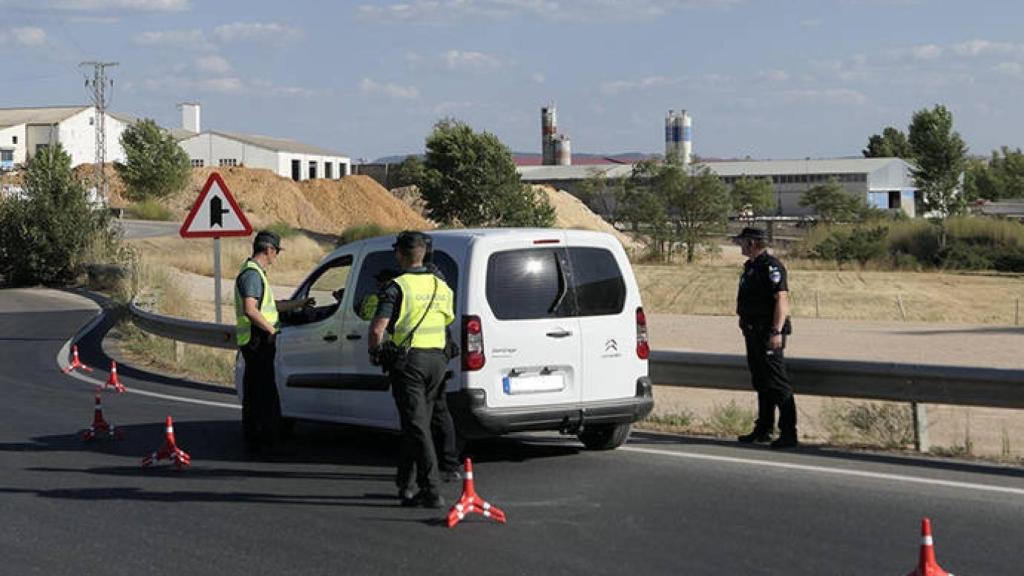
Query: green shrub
x,y
730,420
850,243
918,238
875,424
282,229
362,231
682,420
149,209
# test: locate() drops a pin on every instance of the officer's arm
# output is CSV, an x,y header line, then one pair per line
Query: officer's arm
x,y
252,311
376,335
289,305
781,311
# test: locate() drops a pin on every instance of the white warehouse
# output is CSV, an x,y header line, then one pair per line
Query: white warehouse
x,y
286,158
25,131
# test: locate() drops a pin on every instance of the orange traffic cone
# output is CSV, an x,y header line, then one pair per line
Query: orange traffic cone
x,y
169,450
100,425
113,380
76,362
472,502
927,566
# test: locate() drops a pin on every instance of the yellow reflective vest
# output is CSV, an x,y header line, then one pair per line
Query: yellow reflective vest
x,y
416,295
268,307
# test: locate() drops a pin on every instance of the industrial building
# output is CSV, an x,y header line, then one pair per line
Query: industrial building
x,y
286,158
679,137
556,149
884,183
25,131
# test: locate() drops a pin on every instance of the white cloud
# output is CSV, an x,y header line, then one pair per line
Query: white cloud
x,y
978,47
185,86
224,85
1014,69
841,96
132,5
256,32
213,63
462,60
372,88
622,86
434,11
193,39
926,52
29,36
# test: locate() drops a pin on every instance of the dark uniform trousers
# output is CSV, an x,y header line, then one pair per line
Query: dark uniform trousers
x,y
415,387
260,393
770,380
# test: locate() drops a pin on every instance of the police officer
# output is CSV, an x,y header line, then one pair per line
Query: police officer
x,y
763,307
256,316
413,312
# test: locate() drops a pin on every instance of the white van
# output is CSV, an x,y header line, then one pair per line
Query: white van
x,y
553,336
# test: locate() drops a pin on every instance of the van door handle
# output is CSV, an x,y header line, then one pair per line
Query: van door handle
x,y
330,337
559,334
353,336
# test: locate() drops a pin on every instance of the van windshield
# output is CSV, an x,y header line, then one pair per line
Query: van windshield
x,y
554,283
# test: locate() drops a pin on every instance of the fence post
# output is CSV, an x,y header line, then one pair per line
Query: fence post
x,y
817,303
903,311
921,443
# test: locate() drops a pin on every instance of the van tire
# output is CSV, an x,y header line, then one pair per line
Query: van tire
x,y
604,436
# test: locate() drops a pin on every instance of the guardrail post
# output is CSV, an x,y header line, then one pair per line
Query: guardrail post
x,y
921,443
179,352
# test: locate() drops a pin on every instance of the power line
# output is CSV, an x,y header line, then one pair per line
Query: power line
x,y
99,84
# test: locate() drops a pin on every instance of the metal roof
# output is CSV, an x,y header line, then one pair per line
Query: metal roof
x,y
786,167
582,172
44,115
273,144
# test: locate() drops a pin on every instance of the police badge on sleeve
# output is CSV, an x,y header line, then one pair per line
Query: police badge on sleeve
x,y
774,274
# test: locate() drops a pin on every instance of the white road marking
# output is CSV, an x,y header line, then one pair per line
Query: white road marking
x,y
827,470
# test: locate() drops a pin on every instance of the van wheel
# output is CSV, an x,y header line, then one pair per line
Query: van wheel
x,y
604,436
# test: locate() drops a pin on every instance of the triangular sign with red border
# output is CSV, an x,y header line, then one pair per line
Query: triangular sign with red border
x,y
215,213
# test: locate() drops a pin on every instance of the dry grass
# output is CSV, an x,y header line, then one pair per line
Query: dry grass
x,y
301,253
710,288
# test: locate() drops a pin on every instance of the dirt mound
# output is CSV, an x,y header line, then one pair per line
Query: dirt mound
x,y
571,212
115,187
356,200
410,195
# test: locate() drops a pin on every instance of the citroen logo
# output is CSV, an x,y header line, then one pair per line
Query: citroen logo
x,y
611,346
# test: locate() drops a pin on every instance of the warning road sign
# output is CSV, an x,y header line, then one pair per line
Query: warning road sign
x,y
215,213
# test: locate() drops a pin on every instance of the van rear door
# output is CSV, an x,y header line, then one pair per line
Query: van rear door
x,y
606,302
531,339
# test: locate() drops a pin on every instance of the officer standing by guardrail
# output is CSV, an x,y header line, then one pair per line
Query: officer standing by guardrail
x,y
762,304
415,308
256,315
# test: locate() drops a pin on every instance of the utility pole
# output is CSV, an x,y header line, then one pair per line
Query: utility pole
x,y
98,85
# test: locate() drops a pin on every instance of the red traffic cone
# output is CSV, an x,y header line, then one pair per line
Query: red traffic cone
x,y
472,502
100,425
113,380
927,566
169,450
76,362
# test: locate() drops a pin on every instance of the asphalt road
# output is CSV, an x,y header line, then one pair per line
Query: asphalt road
x,y
660,505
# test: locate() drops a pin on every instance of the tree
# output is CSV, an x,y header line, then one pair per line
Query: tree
x,y
155,166
47,234
643,208
832,203
469,179
698,205
409,172
892,143
755,195
598,193
1001,177
940,157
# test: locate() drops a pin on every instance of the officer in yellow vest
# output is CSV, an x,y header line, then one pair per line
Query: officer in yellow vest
x,y
413,312
256,315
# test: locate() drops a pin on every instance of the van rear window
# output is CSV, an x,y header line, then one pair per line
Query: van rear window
x,y
554,283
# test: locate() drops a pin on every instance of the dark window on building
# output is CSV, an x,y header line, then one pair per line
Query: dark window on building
x,y
329,170
14,139
228,162
198,162
312,169
296,170
894,200
6,155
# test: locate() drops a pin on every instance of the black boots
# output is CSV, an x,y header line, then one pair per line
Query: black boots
x,y
757,436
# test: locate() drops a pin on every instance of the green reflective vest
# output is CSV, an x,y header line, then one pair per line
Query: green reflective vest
x,y
416,293
268,307
369,307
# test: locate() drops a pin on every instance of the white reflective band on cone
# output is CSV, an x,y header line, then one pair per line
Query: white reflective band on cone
x,y
927,540
469,475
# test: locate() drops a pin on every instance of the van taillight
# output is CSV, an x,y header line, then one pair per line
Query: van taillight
x,y
643,349
472,344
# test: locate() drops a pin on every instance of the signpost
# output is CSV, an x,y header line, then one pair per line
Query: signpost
x,y
215,214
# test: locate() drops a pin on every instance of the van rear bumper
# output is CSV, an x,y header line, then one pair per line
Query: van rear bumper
x,y
475,419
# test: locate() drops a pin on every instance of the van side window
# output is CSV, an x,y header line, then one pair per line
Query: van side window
x,y
327,286
367,285
527,284
599,287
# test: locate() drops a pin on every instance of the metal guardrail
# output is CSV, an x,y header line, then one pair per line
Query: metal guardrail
x,y
923,384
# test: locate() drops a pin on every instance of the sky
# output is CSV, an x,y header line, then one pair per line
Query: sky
x,y
761,78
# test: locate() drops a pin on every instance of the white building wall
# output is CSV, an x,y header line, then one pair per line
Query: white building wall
x,y
212,148
14,137
77,135
38,135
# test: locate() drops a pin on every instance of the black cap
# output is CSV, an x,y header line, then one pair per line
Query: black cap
x,y
267,237
752,234
411,239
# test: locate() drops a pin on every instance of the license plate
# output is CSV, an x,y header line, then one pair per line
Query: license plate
x,y
532,383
